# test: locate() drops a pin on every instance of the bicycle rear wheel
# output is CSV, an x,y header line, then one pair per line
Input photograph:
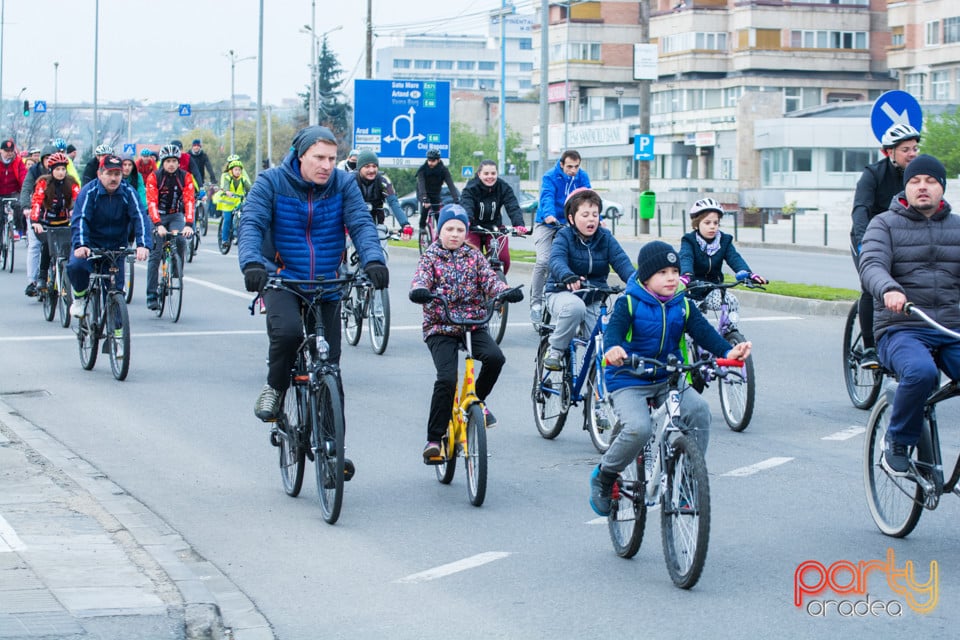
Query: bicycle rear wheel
x,y
863,385
379,326
598,415
175,288
685,512
551,397
118,335
738,391
895,503
328,445
88,333
224,245
628,517
446,469
64,295
293,454
475,455
11,248
498,319
129,277
351,310
4,247
50,299
193,245
203,221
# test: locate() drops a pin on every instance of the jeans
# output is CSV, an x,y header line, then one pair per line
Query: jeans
x,y
79,270
173,222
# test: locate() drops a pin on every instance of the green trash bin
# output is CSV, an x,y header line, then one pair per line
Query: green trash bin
x,y
648,205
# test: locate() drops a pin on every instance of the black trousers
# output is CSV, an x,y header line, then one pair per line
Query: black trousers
x,y
286,332
56,243
445,358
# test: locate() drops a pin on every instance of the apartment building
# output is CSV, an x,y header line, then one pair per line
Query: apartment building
x,y
924,49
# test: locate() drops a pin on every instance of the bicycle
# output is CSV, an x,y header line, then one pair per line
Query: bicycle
x,y
105,316
896,503
554,392
9,246
863,385
428,232
737,392
466,434
170,281
311,424
55,295
201,217
362,301
498,320
670,471
129,277
225,244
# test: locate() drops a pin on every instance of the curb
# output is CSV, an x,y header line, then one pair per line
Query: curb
x,y
202,586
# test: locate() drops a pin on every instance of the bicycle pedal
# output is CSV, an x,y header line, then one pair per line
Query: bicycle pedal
x,y
437,460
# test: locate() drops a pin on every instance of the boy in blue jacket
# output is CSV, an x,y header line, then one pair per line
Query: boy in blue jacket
x,y
650,321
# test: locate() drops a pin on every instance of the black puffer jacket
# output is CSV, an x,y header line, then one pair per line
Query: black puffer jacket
x,y
903,250
484,204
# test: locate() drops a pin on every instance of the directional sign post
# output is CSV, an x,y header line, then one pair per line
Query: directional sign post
x,y
402,119
184,110
40,106
895,107
643,147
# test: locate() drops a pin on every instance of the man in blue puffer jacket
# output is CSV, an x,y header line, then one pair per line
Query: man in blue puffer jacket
x,y
293,226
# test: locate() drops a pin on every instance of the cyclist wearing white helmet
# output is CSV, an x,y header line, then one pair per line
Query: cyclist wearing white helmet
x,y
93,165
878,185
170,203
703,252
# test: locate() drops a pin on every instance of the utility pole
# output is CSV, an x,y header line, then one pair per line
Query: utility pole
x,y
544,82
260,91
643,171
502,169
369,39
312,116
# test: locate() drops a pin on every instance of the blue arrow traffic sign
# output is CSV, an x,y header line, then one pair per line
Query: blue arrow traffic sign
x,y
402,119
643,147
895,107
184,109
40,106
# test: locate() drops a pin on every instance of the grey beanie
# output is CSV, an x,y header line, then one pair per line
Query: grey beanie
x,y
309,136
366,157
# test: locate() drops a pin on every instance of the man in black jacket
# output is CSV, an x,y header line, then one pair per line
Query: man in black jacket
x,y
877,186
431,177
202,160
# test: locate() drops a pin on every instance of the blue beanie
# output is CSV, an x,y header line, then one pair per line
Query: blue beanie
x,y
453,212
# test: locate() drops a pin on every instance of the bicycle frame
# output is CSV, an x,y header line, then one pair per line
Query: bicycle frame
x,y
464,398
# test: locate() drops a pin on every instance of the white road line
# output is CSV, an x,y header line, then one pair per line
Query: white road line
x,y
454,567
769,318
165,334
216,287
846,434
769,463
600,520
9,540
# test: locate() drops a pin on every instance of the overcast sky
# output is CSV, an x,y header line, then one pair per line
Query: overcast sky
x,y
173,50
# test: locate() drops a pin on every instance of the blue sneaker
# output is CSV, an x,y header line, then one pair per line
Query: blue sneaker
x,y
601,486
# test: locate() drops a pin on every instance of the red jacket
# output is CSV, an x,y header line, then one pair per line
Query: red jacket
x,y
38,213
187,196
11,176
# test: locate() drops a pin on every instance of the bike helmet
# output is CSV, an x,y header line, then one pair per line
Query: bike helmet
x,y
60,144
232,158
234,163
144,153
897,134
169,151
433,154
57,159
103,150
703,206
33,150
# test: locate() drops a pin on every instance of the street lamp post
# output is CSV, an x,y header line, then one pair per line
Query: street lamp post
x,y
234,59
315,49
55,114
619,92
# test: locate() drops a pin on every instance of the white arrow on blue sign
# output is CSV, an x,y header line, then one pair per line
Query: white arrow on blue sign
x,y
643,147
895,107
40,106
184,109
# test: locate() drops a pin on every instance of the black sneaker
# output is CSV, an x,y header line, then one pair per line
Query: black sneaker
x,y
869,359
153,305
601,490
490,421
895,458
31,290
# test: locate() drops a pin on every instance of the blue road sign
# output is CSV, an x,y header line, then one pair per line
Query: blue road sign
x,y
40,106
466,172
643,147
184,109
402,119
895,107
129,148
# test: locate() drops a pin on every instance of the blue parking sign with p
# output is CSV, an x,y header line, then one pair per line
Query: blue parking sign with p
x,y
643,147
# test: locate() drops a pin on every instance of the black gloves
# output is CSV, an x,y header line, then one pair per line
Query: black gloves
x,y
421,295
513,295
571,279
379,275
254,277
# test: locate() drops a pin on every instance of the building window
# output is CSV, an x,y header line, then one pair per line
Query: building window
x,y
848,160
486,84
526,66
726,169
803,39
701,40
940,85
400,63
466,65
466,83
914,85
423,64
444,64
933,33
526,44
731,95
896,37
526,84
951,30
796,98
484,65
803,160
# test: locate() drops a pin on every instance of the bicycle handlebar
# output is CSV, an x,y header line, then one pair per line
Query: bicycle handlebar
x,y
912,309
700,284
497,233
675,365
297,287
461,322
590,288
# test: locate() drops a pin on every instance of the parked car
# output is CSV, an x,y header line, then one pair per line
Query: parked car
x,y
411,206
529,203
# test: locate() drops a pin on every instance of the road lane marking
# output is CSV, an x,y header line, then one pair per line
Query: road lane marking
x,y
9,540
770,318
454,567
846,434
749,470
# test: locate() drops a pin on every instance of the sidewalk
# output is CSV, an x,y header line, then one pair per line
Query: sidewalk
x,y
81,559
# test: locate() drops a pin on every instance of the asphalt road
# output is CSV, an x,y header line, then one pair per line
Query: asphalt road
x,y
534,561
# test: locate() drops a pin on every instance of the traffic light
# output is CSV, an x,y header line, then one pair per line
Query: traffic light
x,y
26,108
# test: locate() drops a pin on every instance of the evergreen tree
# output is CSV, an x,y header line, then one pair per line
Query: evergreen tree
x,y
332,107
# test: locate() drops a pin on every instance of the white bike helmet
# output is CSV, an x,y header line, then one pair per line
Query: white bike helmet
x,y
704,205
169,151
897,134
103,150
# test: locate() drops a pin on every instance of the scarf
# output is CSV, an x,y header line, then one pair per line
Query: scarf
x,y
710,248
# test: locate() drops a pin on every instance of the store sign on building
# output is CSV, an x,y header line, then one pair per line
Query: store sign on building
x,y
596,135
557,92
701,139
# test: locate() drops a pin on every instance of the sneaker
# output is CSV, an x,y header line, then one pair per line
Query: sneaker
x,y
76,307
268,404
601,488
869,359
489,418
431,450
554,360
895,458
31,290
16,236
153,305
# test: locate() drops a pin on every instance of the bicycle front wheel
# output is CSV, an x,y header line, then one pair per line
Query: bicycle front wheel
x,y
4,247
193,245
50,296
328,444
628,517
737,391
64,295
475,455
11,248
550,397
118,335
203,221
498,319
685,512
293,454
895,503
863,385
129,277
351,310
379,326
224,245
598,415
88,334
175,288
